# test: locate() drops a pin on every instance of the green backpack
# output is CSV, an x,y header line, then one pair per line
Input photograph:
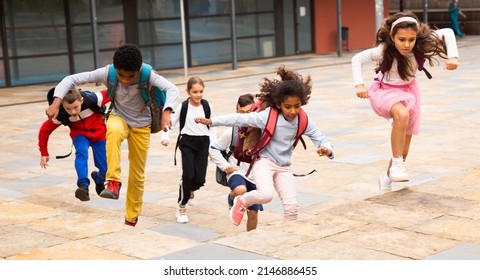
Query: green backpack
x,y
154,97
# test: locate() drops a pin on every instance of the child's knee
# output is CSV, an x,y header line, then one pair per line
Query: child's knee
x,y
265,197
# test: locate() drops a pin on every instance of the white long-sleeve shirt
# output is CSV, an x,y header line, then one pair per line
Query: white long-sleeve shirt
x,y
223,143
393,78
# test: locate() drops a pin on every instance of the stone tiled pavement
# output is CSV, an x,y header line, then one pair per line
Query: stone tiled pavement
x,y
434,216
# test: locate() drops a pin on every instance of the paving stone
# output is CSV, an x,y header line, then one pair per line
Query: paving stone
x,y
15,212
213,252
398,242
188,231
19,239
141,243
74,250
448,226
465,251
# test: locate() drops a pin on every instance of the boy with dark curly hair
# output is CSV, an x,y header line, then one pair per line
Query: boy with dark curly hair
x,y
129,120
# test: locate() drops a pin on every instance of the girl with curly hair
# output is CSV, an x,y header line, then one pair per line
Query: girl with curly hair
x,y
272,171
402,45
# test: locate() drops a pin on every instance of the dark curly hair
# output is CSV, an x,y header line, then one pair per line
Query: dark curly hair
x,y
128,57
290,84
427,44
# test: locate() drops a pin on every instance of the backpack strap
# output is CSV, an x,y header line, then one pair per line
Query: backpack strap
x,y
265,137
183,116
145,82
111,82
90,100
302,126
62,116
388,61
421,61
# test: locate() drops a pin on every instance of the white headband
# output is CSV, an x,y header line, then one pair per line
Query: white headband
x,y
403,19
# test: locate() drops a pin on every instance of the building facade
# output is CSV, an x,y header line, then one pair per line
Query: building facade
x,y
44,40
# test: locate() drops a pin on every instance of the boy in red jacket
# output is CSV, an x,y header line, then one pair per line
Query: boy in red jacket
x,y
87,128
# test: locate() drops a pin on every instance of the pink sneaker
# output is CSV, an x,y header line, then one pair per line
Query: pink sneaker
x,y
237,211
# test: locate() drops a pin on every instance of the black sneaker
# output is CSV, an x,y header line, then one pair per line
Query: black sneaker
x,y
82,193
98,187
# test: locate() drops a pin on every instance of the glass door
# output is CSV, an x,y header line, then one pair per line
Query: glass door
x,y
303,24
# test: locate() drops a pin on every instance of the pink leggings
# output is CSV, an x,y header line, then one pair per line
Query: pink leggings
x,y
269,176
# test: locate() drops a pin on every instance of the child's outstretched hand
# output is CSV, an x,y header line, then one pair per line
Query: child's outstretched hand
x,y
203,121
451,63
229,169
165,142
361,91
322,151
44,161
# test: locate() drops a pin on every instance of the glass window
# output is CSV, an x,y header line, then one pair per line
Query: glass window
x,y
211,52
82,38
198,7
288,27
36,41
160,32
164,57
254,48
151,9
38,70
111,35
248,6
254,25
209,28
2,73
33,13
84,62
80,12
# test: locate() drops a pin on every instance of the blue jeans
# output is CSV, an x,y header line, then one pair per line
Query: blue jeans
x,y
81,144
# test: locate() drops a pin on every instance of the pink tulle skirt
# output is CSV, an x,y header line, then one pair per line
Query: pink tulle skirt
x,y
384,96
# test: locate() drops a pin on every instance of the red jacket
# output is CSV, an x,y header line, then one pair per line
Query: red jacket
x,y
87,123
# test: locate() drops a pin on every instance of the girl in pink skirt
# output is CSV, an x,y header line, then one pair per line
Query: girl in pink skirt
x,y
403,44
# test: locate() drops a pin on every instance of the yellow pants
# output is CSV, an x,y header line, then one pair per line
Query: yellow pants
x,y
138,144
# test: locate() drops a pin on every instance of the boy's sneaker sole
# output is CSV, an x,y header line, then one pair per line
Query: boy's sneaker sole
x,y
108,194
132,224
82,193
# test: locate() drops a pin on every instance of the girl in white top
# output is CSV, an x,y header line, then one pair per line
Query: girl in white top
x,y
193,143
403,44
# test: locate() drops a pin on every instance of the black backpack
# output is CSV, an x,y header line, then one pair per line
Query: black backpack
x,y
89,101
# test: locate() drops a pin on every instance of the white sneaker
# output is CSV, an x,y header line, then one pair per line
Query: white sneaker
x,y
191,200
398,173
382,187
181,215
